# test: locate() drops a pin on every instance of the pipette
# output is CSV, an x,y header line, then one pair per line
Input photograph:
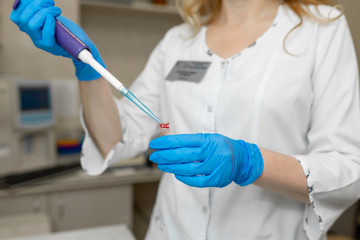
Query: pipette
x,y
80,51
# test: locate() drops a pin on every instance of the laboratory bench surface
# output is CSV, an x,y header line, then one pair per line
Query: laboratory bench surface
x,y
118,196
115,232
80,180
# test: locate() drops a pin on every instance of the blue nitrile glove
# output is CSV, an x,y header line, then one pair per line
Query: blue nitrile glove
x,y
207,160
37,19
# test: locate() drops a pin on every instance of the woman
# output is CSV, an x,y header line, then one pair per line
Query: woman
x,y
274,88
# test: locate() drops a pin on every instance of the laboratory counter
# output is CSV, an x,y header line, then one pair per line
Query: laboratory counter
x,y
76,201
80,180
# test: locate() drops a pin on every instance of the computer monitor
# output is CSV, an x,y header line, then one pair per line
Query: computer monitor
x,y
34,105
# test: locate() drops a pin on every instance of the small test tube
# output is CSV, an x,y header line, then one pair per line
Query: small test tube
x,y
164,128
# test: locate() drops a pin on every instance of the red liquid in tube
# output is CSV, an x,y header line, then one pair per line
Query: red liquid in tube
x,y
164,129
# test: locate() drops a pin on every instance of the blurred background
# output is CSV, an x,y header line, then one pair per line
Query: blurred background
x,y
43,189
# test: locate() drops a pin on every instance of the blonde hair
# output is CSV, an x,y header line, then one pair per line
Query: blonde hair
x,y
198,13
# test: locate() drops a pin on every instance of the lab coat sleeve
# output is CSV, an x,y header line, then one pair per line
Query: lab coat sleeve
x,y
137,127
332,165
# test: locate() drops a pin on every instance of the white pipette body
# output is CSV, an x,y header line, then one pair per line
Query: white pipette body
x,y
86,57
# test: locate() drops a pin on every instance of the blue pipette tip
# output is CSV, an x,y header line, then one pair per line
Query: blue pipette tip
x,y
142,106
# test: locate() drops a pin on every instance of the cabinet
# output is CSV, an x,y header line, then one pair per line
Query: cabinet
x,y
70,210
24,205
90,208
346,224
80,201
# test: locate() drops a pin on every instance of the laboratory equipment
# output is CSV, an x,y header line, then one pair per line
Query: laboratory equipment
x,y
27,135
80,51
86,57
68,143
69,132
33,109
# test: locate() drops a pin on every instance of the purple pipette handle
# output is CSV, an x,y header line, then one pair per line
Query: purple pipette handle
x,y
65,38
16,3
71,43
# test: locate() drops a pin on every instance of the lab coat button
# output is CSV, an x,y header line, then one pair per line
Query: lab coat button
x,y
223,64
210,109
204,209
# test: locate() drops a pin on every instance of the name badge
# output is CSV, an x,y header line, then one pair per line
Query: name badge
x,y
188,71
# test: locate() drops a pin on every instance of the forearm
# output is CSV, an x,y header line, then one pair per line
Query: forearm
x,y
283,174
100,114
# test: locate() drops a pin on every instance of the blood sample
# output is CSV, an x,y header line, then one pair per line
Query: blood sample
x,y
164,128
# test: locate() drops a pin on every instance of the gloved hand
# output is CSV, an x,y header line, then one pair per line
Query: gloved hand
x,y
207,160
37,19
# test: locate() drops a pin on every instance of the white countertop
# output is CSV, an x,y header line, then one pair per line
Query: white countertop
x,y
114,232
80,180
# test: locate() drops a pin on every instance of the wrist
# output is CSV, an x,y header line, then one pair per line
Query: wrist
x,y
249,162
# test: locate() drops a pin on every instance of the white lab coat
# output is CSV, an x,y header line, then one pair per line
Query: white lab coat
x,y
306,106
